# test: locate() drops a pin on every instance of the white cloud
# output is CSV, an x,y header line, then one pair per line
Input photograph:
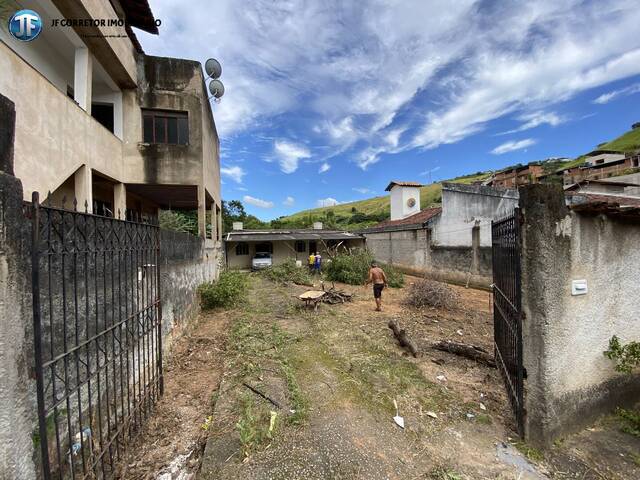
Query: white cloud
x,y
324,167
257,202
235,173
327,202
535,119
362,190
607,97
289,154
390,76
513,145
289,201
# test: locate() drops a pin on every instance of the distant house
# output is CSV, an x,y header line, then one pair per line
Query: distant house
x,y
600,165
242,245
514,177
451,243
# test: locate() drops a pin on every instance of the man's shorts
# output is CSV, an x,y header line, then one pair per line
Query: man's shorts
x,y
377,290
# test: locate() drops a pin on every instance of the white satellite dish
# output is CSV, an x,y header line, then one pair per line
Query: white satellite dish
x,y
213,68
216,88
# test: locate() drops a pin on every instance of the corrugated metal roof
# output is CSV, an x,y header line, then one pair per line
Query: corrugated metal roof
x,y
283,235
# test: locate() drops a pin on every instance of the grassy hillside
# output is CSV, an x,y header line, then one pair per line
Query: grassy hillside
x,y
628,142
364,213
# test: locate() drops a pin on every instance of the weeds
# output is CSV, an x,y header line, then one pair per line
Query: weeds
x,y
429,293
530,452
226,292
353,268
288,272
444,473
627,357
631,421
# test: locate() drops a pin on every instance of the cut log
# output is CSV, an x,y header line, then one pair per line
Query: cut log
x,y
472,352
403,339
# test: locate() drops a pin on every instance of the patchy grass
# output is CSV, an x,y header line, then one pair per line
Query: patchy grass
x,y
532,453
256,424
630,420
444,473
627,142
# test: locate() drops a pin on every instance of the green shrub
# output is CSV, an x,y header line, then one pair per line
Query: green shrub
x,y
631,421
353,268
395,278
288,271
226,292
627,357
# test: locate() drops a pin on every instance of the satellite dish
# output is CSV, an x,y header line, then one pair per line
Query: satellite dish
x,y
213,68
216,88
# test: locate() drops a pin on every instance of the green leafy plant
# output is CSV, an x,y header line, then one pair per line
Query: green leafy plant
x,y
353,268
226,292
395,278
631,421
288,271
627,357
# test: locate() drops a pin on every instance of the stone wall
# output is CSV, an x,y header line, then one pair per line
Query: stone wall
x,y
569,380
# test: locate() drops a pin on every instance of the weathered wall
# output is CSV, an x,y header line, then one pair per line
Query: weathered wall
x,y
464,206
51,146
569,381
17,389
413,252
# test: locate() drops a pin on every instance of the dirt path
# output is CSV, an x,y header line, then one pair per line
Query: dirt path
x,y
172,441
309,395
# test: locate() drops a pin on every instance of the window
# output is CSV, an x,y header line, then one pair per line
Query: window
x,y
163,126
300,246
103,113
264,248
242,249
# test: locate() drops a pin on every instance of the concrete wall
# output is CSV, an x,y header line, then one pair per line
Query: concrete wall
x,y
399,197
569,381
464,206
17,388
413,252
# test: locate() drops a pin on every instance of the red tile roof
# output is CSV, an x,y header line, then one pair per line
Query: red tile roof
x,y
416,219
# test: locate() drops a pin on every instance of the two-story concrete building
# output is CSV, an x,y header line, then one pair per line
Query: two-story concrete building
x,y
100,121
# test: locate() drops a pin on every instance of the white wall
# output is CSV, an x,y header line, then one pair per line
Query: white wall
x,y
399,198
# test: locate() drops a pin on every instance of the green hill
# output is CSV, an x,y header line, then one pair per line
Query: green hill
x,y
364,213
628,142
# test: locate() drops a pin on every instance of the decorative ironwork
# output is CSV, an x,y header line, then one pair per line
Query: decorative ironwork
x,y
507,309
98,336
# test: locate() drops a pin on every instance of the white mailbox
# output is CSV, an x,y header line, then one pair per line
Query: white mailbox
x,y
579,287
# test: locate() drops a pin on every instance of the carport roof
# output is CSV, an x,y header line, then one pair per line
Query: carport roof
x,y
282,235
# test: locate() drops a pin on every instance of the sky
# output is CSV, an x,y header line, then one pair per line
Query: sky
x,y
327,101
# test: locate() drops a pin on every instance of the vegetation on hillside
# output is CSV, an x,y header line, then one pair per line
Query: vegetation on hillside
x,y
628,142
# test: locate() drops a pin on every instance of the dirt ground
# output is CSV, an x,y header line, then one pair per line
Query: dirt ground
x,y
309,395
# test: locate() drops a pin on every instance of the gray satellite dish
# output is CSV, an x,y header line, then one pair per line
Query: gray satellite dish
x,y
213,68
216,88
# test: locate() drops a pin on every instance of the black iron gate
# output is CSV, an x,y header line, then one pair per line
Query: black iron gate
x,y
97,330
507,311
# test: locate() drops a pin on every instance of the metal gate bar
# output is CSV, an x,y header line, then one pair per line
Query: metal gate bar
x,y
507,309
98,340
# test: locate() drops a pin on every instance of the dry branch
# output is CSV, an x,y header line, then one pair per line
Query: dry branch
x,y
403,339
472,352
333,295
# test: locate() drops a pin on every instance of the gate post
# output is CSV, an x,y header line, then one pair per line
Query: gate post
x,y
17,408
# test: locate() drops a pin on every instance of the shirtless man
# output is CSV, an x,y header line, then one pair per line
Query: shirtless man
x,y
379,280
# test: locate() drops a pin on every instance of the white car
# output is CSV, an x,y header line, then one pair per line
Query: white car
x,y
261,260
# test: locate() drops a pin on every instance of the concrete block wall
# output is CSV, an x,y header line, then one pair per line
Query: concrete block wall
x,y
569,380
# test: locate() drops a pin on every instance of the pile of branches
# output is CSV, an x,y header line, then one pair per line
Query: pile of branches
x,y
333,296
429,293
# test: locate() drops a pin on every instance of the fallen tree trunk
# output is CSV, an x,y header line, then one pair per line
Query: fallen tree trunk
x,y
402,337
472,352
